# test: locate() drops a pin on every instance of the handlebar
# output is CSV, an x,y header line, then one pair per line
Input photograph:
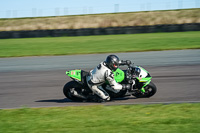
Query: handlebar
x,y
126,62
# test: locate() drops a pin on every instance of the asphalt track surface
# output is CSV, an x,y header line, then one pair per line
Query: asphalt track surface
x,y
38,81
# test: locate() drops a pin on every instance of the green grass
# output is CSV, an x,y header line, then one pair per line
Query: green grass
x,y
156,118
99,44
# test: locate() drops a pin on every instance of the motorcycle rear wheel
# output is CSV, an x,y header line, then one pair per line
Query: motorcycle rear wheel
x,y
69,88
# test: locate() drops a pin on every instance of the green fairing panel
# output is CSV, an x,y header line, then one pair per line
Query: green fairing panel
x,y
76,74
119,75
142,69
144,79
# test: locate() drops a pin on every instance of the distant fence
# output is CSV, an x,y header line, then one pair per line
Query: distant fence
x,y
101,31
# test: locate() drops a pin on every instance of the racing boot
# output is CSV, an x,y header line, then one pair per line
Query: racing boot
x,y
104,100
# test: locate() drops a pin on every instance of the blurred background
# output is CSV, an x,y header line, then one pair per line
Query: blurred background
x,y
27,8
23,15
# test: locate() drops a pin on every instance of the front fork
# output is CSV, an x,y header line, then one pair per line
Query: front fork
x,y
142,89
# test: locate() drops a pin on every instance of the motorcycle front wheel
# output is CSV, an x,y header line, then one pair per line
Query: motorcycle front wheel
x,y
150,90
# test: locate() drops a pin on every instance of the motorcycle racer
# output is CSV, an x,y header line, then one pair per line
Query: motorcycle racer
x,y
104,72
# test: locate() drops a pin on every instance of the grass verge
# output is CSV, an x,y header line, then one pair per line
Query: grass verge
x,y
154,118
99,44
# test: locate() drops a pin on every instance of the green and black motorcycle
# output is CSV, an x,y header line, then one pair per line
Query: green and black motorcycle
x,y
136,77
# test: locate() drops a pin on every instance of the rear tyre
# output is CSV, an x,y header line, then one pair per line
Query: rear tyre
x,y
150,90
69,88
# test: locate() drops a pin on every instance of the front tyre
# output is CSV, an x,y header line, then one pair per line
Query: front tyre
x,y
150,90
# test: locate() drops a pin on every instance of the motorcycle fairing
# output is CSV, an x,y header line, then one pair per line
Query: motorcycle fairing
x,y
75,74
119,75
146,78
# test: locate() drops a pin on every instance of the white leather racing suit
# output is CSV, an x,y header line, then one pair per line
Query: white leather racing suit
x,y
98,76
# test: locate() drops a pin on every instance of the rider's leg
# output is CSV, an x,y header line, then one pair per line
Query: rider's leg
x,y
98,90
108,87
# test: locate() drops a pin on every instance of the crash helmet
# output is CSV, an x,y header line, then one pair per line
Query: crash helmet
x,y
112,61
